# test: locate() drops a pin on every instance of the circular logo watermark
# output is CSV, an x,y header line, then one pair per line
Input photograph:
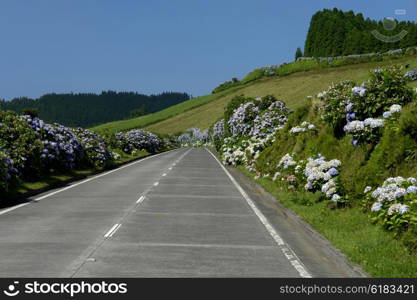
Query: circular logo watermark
x,y
390,24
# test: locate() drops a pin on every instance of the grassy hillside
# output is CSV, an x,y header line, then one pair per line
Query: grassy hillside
x,y
345,162
292,89
167,113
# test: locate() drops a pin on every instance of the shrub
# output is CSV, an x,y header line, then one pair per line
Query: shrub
x,y
411,75
217,133
96,150
257,117
385,88
394,204
31,148
8,173
137,139
226,85
61,149
194,137
356,109
19,140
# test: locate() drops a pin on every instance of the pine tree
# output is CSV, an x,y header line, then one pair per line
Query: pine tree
x,y
298,53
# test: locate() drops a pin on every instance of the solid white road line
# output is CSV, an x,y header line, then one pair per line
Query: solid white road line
x,y
285,248
98,176
81,182
13,208
112,230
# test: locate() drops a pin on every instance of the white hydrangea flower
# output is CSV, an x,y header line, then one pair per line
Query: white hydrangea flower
x,y
330,192
397,208
354,126
374,123
376,206
335,198
412,180
367,189
395,108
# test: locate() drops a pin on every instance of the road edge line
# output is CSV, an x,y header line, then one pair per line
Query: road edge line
x,y
284,247
5,211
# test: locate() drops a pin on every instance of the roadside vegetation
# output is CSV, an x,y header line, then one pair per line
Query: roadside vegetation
x,y
344,161
293,88
304,64
34,153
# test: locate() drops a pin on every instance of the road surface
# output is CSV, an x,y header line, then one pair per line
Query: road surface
x,y
176,214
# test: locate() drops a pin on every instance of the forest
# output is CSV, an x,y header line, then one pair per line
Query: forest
x,y
89,109
335,32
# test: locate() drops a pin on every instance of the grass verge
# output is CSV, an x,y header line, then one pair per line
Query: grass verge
x,y
376,251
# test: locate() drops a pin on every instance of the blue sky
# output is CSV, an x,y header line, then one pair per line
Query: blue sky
x,y
153,46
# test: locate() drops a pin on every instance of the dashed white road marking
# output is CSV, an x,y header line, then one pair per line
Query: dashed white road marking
x,y
79,183
156,183
165,174
286,250
140,199
112,230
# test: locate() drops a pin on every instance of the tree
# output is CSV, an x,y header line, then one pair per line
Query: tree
x,y
298,53
334,32
30,111
88,109
140,111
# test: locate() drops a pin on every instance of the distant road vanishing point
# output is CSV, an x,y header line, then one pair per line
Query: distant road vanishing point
x,y
175,214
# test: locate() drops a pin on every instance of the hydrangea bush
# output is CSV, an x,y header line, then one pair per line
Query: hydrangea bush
x,y
217,133
256,117
61,149
31,148
137,139
322,175
303,127
394,204
18,140
8,173
194,137
315,174
249,127
411,75
244,151
345,102
96,150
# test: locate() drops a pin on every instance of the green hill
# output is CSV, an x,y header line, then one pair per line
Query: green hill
x,y
292,89
159,116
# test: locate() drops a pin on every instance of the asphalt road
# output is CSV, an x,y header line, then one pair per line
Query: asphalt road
x,y
176,214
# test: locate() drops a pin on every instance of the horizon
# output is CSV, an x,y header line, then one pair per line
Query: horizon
x,y
149,48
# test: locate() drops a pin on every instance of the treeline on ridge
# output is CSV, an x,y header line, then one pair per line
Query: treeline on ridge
x,y
89,109
335,32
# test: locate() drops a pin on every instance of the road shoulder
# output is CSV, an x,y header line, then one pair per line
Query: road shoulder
x,y
316,252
